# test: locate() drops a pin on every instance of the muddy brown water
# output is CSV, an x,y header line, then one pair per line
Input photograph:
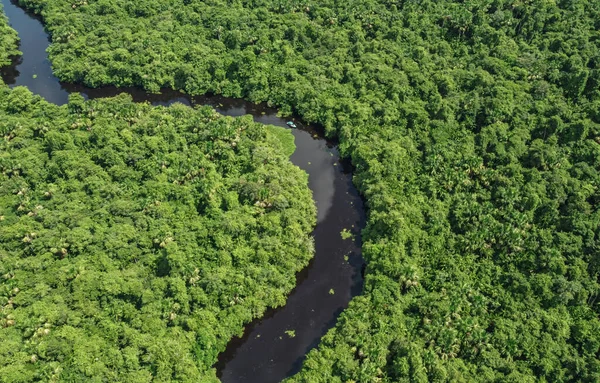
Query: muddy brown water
x,y
265,353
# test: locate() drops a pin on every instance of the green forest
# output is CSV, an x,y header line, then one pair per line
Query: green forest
x,y
8,41
474,130
136,241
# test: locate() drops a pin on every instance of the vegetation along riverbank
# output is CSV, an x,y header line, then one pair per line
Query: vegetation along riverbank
x,y
474,128
137,240
8,41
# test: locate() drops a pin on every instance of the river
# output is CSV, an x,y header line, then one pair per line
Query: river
x,y
265,353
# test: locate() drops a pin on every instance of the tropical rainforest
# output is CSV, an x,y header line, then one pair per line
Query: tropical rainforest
x,y
136,241
474,130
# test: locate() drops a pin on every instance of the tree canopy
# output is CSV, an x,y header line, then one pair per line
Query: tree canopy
x,y
474,127
136,241
8,41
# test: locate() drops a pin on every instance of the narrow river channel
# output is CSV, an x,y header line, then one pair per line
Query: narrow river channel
x,y
265,353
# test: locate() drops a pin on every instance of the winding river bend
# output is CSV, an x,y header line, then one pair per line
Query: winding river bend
x,y
264,354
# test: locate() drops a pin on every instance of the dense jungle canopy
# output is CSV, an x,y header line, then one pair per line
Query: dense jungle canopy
x,y
474,127
137,240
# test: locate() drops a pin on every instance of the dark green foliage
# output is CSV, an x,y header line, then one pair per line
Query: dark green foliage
x,y
135,241
474,127
8,41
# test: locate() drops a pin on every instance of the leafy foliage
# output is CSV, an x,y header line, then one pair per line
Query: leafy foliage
x,y
8,41
475,132
135,241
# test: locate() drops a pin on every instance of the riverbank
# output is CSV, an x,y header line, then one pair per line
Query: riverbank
x,y
266,353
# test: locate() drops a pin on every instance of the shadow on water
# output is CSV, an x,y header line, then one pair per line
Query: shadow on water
x,y
265,353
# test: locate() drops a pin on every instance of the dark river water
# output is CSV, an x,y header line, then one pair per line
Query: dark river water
x,y
265,353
